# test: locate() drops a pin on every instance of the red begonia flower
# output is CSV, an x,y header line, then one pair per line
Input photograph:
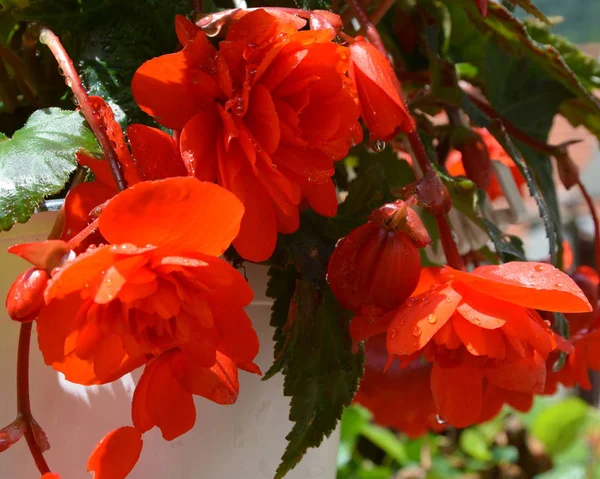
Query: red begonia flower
x,y
455,166
382,105
398,398
156,294
50,475
377,265
265,115
479,328
116,454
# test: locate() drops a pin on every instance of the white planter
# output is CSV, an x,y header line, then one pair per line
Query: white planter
x,y
244,440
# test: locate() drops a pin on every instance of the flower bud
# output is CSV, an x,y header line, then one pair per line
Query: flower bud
x,y
476,161
26,295
382,105
377,266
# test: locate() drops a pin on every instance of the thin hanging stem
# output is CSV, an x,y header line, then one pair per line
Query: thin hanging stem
x,y
590,202
370,30
23,404
450,249
73,81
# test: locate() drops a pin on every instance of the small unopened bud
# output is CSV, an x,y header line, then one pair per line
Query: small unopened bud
x,y
476,161
377,266
26,295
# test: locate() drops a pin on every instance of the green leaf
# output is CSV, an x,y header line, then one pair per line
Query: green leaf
x,y
367,192
387,441
505,454
507,32
549,216
37,161
583,65
474,443
281,286
558,425
572,471
354,419
321,374
530,8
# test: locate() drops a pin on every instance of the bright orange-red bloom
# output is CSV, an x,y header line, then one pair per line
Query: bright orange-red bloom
x,y
398,398
455,166
481,329
50,475
382,105
156,294
377,265
266,115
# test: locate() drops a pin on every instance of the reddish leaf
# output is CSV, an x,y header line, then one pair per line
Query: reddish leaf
x,y
10,434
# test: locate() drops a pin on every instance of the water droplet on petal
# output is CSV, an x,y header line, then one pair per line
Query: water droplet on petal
x,y
476,321
539,268
393,333
432,319
559,285
440,419
417,331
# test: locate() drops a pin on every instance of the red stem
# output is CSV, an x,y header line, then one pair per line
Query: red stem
x,y
381,10
23,404
370,29
74,82
450,249
590,202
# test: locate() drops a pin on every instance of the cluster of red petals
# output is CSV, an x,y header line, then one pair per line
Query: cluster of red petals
x,y
456,167
156,294
376,267
265,115
487,344
399,398
584,330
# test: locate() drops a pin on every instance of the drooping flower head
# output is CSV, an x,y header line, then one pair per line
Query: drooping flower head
x,y
265,114
157,294
481,329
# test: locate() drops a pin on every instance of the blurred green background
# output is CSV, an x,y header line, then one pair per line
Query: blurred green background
x,y
559,438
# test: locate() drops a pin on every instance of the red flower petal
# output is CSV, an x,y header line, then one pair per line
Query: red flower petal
x,y
527,375
50,475
116,454
458,393
160,400
533,285
177,214
173,88
417,320
44,255
322,198
198,145
218,383
239,340
155,153
382,107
